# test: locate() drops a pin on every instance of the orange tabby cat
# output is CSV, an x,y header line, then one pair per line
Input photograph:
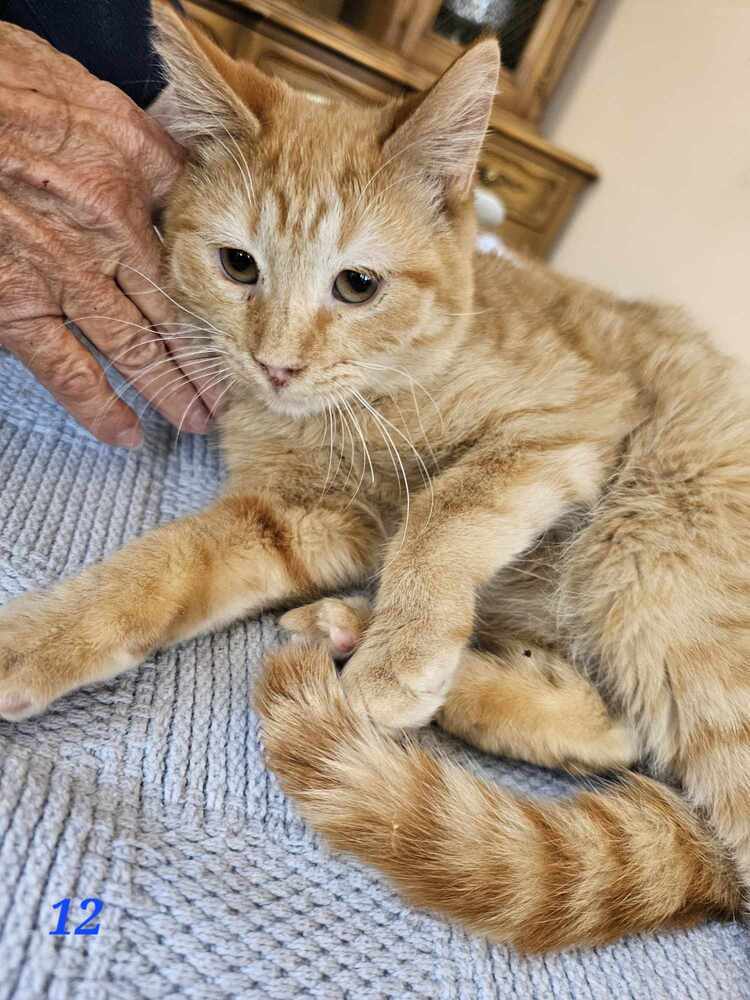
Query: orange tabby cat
x,y
523,461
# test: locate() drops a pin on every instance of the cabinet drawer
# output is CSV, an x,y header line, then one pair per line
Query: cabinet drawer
x,y
537,189
307,68
530,191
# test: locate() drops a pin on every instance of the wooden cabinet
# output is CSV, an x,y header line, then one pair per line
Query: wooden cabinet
x,y
300,63
538,182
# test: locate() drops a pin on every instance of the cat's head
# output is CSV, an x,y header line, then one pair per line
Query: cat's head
x,y
326,245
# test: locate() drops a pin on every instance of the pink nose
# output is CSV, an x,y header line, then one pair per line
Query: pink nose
x,y
277,375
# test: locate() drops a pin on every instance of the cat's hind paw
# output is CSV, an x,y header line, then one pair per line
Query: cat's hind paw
x,y
341,623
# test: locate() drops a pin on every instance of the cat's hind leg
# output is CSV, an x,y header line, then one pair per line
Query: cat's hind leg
x,y
525,701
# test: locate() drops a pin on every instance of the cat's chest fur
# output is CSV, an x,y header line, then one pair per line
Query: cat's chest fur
x,y
399,442
402,443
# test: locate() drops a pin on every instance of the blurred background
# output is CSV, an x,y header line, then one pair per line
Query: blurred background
x,y
658,97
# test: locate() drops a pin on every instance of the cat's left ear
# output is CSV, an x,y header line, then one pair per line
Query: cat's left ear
x,y
441,132
208,93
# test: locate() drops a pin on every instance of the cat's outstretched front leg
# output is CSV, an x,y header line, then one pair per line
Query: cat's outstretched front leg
x,y
484,512
243,554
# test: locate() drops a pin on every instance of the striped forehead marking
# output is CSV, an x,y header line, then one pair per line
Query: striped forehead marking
x,y
302,215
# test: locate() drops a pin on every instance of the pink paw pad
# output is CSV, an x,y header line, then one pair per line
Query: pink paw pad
x,y
343,640
14,706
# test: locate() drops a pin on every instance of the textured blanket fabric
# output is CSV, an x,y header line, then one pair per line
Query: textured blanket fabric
x,y
150,793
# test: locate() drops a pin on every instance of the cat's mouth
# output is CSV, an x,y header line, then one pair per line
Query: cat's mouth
x,y
282,390
300,391
287,397
279,377
287,405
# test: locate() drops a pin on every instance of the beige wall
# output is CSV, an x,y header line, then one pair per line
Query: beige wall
x,y
658,98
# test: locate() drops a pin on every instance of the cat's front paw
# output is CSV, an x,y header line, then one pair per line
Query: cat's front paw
x,y
22,665
393,692
39,656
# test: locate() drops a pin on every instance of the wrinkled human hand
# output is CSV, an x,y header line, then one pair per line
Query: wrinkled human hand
x,y
82,170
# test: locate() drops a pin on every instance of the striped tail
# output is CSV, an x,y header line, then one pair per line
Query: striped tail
x,y
537,874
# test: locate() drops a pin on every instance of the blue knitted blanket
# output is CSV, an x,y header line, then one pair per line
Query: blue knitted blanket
x,y
150,794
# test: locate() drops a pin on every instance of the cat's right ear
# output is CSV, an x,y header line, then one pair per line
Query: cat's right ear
x,y
208,93
440,132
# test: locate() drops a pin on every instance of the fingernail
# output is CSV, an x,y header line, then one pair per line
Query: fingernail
x,y
130,437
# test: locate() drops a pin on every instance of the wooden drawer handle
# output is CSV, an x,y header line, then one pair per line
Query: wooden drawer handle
x,y
495,175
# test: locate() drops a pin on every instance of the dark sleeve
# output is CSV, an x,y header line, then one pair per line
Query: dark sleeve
x,y
110,38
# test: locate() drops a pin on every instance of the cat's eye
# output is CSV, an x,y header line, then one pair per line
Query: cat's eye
x,y
354,286
239,265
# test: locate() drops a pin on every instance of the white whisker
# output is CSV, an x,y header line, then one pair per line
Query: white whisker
x,y
424,472
366,453
479,312
400,371
168,296
247,177
329,422
158,397
365,449
351,442
339,417
192,403
381,168
393,451
222,394
176,360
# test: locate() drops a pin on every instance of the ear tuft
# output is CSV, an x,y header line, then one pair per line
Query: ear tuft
x,y
200,100
443,135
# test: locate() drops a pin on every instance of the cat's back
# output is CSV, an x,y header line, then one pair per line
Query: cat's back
x,y
678,373
684,464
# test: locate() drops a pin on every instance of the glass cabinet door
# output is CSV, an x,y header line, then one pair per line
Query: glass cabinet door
x,y
391,22
513,21
537,37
